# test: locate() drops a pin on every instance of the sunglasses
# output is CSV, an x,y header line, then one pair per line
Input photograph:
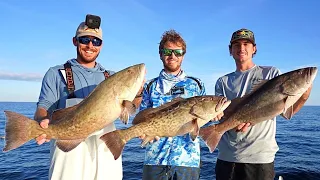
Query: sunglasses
x,y
86,40
168,52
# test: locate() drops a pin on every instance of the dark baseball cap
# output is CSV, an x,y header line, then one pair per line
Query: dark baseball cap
x,y
243,34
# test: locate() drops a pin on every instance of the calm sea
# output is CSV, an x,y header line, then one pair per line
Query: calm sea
x,y
298,157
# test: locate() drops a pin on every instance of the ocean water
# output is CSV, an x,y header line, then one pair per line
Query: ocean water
x,y
298,157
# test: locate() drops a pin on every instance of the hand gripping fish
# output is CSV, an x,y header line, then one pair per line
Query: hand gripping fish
x,y
110,100
175,118
267,100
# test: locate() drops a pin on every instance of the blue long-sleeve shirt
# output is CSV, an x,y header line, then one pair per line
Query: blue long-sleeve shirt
x,y
54,91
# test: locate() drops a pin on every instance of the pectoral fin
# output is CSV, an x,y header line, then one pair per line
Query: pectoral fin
x,y
290,102
68,145
146,140
128,109
195,132
195,111
288,113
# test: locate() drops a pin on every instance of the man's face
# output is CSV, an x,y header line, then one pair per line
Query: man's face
x,y
88,48
242,50
172,62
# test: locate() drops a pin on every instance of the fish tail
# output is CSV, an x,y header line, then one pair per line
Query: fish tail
x,y
17,130
115,141
210,136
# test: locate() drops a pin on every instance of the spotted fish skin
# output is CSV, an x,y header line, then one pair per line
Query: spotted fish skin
x,y
110,100
171,119
267,100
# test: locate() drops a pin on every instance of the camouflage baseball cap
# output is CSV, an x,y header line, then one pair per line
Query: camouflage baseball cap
x,y
84,30
243,34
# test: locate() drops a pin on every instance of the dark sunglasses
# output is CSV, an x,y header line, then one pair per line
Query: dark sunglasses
x,y
86,40
168,52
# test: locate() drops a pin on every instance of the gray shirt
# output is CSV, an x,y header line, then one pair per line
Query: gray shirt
x,y
258,143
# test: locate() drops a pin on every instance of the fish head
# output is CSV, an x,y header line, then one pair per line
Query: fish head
x,y
213,105
131,81
298,81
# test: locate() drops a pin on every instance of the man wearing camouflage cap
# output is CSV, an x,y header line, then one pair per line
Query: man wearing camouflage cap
x,y
91,159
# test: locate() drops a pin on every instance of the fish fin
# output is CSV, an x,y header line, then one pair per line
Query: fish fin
x,y
146,140
62,113
195,132
287,114
210,136
130,106
115,142
17,130
288,111
186,128
128,109
68,145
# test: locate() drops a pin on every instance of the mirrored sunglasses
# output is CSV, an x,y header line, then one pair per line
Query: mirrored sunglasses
x,y
86,40
168,52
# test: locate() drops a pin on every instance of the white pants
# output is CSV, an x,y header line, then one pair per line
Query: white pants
x,y
90,160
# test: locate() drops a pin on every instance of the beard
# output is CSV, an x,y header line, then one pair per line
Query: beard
x,y
84,58
171,68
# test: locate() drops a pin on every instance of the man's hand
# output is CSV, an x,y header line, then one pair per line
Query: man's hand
x,y
42,138
151,141
242,127
218,117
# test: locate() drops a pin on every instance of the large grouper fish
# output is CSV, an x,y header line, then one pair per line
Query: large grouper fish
x,y
267,99
110,100
174,118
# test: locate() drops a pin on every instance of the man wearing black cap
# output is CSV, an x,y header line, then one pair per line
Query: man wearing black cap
x,y
246,152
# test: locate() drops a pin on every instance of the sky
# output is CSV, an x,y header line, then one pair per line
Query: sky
x,y
37,35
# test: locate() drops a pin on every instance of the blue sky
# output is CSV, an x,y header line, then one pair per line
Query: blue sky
x,y
38,34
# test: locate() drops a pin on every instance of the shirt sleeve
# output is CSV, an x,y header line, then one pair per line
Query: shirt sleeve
x,y
203,89
48,97
219,88
276,72
146,102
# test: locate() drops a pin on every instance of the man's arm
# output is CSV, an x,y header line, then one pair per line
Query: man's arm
x,y
41,114
47,98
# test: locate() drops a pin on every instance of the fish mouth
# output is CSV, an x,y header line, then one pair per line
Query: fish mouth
x,y
311,74
223,104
